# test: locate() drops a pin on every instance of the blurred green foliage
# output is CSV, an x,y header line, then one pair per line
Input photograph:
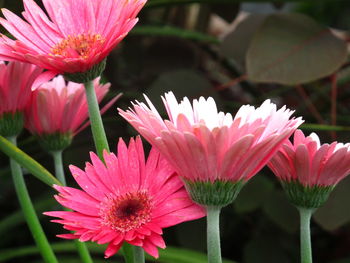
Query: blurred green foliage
x,y
238,52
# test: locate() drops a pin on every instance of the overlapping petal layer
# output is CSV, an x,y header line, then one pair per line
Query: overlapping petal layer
x,y
76,34
206,145
60,107
310,163
16,82
126,200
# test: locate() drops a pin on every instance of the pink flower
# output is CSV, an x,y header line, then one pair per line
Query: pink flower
x,y
128,200
309,163
16,81
77,35
208,146
57,107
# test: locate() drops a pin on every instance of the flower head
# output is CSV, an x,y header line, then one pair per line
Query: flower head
x,y
127,200
75,36
16,82
208,146
308,170
58,110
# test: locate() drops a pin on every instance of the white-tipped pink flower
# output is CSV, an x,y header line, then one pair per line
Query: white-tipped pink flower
x,y
127,199
309,163
205,145
75,36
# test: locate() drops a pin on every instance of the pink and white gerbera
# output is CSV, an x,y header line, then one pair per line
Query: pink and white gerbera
x,y
311,163
76,34
206,145
127,199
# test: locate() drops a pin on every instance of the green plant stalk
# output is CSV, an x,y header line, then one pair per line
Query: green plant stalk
x,y
29,212
27,162
139,255
213,234
101,143
98,131
59,172
305,236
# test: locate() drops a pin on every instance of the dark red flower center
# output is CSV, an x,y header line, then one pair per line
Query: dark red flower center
x,y
127,212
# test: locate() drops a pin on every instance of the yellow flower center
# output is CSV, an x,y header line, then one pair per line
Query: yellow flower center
x,y
79,46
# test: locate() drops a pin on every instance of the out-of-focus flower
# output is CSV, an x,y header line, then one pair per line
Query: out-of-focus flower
x,y
16,82
75,37
126,200
213,152
308,170
59,110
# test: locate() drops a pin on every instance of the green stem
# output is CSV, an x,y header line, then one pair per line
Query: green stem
x,y
305,236
101,143
29,212
213,234
128,253
97,128
59,171
139,255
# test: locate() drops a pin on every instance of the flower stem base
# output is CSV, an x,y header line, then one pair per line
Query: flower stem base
x,y
217,194
91,74
306,196
11,124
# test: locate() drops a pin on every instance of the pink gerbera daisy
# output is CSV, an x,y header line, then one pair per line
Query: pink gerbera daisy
x,y
126,200
59,110
75,36
308,170
211,149
16,82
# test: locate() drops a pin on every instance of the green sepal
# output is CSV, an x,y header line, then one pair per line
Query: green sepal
x,y
11,124
217,193
91,74
55,141
306,196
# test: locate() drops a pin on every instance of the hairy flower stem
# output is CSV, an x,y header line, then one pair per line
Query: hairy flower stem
x,y
29,211
101,143
305,237
213,234
98,131
139,255
59,172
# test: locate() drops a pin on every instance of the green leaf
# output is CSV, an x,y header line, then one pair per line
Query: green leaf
x,y
27,162
235,44
168,255
335,213
253,195
173,31
323,127
292,49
